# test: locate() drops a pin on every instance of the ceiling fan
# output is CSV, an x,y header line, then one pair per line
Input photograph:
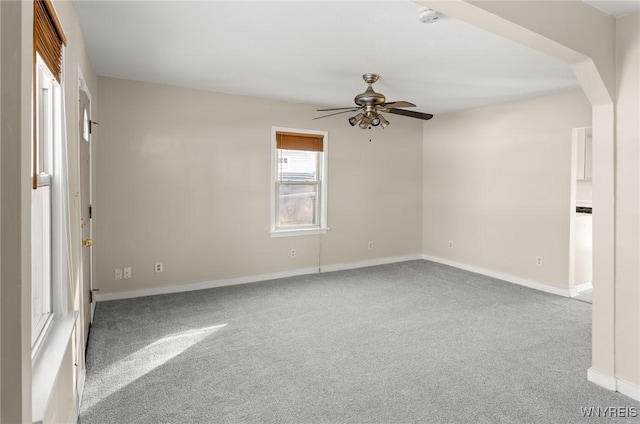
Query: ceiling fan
x,y
370,104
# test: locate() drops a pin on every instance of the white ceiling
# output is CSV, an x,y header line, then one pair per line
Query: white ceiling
x,y
615,7
314,52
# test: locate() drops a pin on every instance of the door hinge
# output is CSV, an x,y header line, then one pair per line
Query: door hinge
x,y
91,124
90,211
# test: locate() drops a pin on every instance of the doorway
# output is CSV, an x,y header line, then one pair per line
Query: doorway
x,y
83,302
581,227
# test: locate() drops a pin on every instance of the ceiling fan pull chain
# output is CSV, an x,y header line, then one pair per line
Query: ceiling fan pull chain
x,y
369,134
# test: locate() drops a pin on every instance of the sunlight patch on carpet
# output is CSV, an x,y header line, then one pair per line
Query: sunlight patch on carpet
x,y
127,370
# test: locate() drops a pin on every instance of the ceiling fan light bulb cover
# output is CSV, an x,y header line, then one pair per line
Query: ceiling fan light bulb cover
x,y
364,124
355,120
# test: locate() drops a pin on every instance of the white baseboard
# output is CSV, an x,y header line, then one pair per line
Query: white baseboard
x,y
250,278
601,379
501,276
628,389
576,290
612,383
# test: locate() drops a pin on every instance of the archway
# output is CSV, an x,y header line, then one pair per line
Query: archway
x,y
584,38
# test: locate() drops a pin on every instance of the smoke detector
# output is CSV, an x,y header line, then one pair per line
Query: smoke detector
x,y
428,16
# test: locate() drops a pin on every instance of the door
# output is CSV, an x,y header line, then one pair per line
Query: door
x,y
85,207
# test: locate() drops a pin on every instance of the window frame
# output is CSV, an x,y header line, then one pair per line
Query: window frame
x,y
48,129
321,226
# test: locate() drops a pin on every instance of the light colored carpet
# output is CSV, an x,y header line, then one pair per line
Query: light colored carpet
x,y
408,342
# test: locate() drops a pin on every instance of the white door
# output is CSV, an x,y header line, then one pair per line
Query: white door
x,y
85,214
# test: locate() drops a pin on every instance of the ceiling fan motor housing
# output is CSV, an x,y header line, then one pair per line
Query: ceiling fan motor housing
x,y
369,99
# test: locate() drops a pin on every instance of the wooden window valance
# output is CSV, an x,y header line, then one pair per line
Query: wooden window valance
x,y
48,39
48,36
298,141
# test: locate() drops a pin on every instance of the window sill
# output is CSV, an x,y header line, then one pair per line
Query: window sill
x,y
48,361
298,232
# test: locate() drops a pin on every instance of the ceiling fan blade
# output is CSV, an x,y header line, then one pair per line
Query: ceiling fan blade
x,y
410,113
339,108
337,113
397,104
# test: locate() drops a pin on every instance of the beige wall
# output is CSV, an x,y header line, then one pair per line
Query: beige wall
x,y
15,153
183,178
15,203
628,199
497,184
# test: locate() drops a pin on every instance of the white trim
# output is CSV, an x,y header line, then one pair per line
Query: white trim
x,y
576,290
501,276
82,85
42,335
82,376
60,209
628,389
249,279
601,379
298,232
614,384
584,286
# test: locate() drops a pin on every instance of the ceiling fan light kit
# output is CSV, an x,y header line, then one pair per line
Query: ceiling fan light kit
x,y
369,105
383,122
355,120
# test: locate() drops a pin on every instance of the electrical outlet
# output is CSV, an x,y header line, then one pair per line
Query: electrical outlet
x,y
293,253
450,245
539,260
126,272
117,275
158,268
370,245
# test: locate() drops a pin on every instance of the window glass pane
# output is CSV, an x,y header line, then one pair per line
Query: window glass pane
x,y
85,126
47,121
40,258
297,165
297,204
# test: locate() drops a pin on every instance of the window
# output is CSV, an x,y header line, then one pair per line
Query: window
x,y
47,132
47,124
299,182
